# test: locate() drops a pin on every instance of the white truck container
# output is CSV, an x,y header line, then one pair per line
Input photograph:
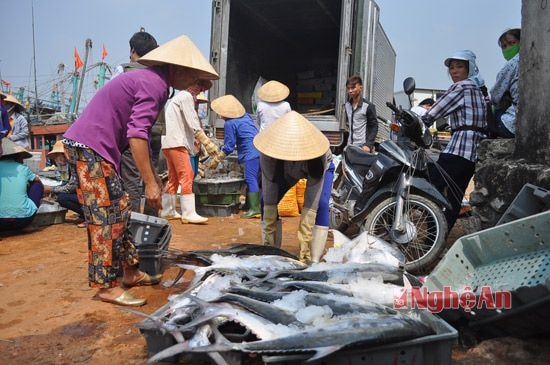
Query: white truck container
x,y
312,46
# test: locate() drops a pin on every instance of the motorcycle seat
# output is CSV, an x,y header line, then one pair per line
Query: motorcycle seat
x,y
357,156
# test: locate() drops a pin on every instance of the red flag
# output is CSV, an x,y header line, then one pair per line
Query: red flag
x,y
77,61
104,53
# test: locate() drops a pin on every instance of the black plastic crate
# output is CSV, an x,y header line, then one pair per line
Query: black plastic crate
x,y
152,264
146,230
428,350
216,187
154,251
160,244
530,200
217,210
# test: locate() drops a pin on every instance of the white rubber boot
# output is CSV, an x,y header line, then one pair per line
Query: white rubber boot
x,y
188,213
169,210
318,241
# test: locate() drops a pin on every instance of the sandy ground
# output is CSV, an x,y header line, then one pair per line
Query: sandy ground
x,y
48,314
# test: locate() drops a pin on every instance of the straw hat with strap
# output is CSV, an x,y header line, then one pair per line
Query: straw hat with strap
x,y
292,138
273,91
184,54
228,107
13,100
11,149
58,148
201,98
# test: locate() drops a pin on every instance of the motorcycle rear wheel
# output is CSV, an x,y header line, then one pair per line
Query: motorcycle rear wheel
x,y
427,224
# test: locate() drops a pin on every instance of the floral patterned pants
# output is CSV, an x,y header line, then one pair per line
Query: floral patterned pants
x,y
106,210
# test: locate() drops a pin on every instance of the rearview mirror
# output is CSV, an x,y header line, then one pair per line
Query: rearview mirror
x,y
409,85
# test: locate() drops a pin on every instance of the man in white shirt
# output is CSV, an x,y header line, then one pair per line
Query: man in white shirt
x,y
272,105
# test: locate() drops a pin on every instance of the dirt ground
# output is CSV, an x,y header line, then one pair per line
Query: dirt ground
x,y
48,314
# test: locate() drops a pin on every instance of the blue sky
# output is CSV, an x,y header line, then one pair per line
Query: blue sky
x,y
423,33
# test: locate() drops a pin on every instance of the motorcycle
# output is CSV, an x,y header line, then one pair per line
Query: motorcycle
x,y
389,195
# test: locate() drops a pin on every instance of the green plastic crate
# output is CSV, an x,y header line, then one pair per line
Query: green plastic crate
x,y
512,257
218,199
219,186
508,256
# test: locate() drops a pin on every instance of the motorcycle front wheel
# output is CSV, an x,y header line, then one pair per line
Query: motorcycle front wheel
x,y
423,241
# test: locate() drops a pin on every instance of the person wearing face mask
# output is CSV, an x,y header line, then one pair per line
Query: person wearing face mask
x,y
505,92
464,103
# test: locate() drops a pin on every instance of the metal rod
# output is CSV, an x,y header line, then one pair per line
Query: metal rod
x,y
34,62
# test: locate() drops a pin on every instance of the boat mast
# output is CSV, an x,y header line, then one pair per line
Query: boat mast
x,y
83,72
34,61
61,90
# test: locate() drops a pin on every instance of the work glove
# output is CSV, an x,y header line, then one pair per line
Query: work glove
x,y
201,169
307,221
269,224
211,148
216,160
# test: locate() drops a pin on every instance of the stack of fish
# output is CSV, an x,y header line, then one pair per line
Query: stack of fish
x,y
258,299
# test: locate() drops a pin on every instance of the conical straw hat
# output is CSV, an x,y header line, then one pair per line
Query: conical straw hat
x,y
273,91
228,107
57,148
181,51
12,99
201,98
292,138
9,148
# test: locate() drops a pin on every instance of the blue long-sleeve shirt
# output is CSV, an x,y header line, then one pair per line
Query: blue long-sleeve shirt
x,y
240,132
508,81
4,122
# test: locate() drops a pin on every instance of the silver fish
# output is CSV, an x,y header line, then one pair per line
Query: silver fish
x,y
339,304
365,248
259,326
325,272
271,313
246,265
324,341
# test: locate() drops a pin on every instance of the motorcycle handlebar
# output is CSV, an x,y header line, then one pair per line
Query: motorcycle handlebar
x,y
392,107
409,119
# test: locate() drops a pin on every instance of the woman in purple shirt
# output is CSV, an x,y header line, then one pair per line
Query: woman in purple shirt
x,y
121,114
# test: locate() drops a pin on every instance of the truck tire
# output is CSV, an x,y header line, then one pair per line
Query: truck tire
x,y
424,242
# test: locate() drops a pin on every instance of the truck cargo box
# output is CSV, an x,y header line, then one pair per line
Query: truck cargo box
x,y
312,46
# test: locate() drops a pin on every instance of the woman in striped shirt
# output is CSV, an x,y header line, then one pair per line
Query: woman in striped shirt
x,y
466,107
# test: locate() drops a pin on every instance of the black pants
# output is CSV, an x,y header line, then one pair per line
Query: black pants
x,y
133,182
35,191
70,201
460,171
